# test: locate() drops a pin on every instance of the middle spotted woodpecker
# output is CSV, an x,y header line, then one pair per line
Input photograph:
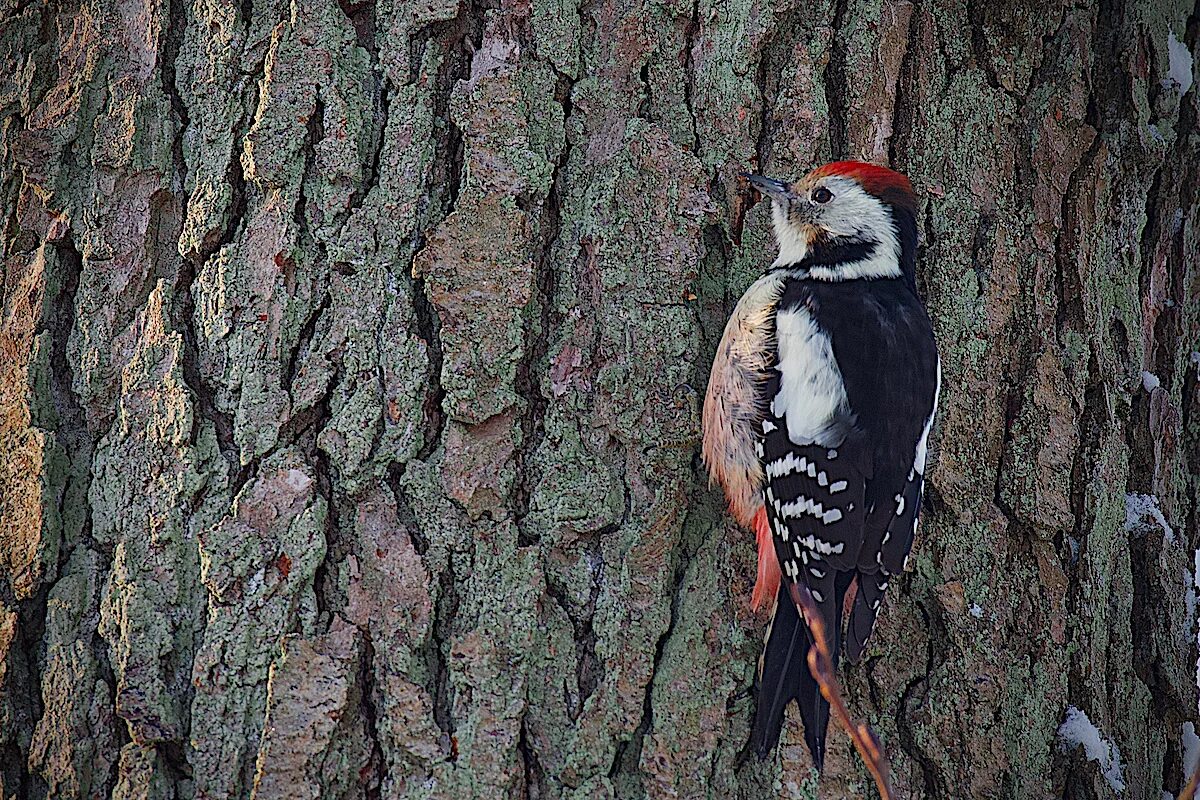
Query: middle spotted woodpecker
x,y
817,418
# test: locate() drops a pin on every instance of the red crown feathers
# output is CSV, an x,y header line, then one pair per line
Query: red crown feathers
x,y
884,183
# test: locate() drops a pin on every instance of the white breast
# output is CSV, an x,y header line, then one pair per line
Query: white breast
x,y
811,393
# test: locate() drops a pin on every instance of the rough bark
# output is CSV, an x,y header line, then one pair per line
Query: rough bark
x,y
350,364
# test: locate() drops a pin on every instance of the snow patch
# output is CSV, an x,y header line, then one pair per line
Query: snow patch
x,y
976,611
1196,585
1189,597
1191,749
1179,63
1149,380
1078,730
1140,506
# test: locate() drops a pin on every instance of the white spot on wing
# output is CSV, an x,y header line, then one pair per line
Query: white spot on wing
x,y
783,466
800,506
923,442
819,546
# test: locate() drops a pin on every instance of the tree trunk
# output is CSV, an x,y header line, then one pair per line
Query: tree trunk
x,y
350,369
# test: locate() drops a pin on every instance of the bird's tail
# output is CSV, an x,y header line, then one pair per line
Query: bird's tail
x,y
784,676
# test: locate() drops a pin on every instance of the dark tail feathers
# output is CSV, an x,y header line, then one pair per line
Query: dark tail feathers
x,y
786,677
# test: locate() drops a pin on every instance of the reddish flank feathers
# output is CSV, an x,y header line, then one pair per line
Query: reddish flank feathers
x,y
882,182
766,588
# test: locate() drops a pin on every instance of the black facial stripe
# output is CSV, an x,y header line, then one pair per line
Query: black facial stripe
x,y
842,250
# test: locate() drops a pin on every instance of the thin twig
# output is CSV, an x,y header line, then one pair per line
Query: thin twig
x,y
820,664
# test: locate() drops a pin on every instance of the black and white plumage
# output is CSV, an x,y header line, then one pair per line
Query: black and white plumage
x,y
845,409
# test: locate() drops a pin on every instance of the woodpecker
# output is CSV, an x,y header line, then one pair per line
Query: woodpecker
x,y
817,419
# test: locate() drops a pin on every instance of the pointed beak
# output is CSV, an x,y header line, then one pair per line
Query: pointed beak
x,y
768,186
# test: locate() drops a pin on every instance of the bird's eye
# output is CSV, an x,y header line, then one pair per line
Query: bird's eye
x,y
822,195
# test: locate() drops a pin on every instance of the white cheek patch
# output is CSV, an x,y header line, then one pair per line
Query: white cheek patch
x,y
793,244
811,392
852,213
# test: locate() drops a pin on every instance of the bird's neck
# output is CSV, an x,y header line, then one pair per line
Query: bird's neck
x,y
843,258
886,254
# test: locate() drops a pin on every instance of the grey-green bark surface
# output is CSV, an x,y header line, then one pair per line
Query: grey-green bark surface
x,y
351,357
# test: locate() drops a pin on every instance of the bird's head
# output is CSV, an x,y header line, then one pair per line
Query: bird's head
x,y
845,220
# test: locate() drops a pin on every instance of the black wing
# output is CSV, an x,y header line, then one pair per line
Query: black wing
x,y
883,343
843,492
815,468
815,500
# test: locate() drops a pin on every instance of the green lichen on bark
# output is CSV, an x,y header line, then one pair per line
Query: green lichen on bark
x,y
352,363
